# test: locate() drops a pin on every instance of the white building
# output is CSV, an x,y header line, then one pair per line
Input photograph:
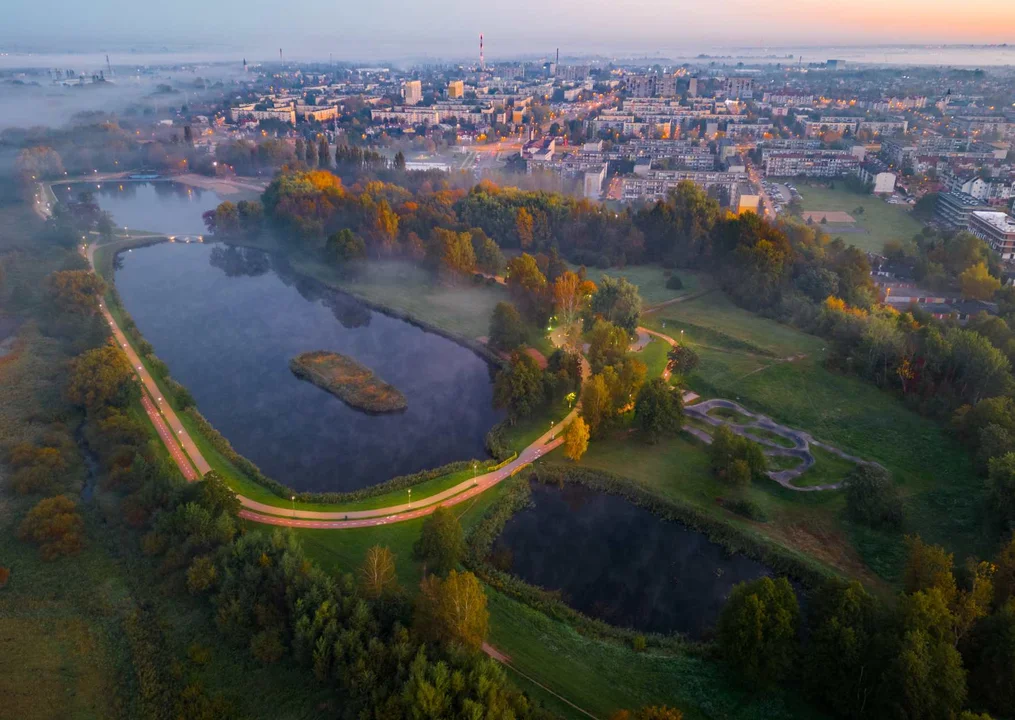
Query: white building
x,y
997,228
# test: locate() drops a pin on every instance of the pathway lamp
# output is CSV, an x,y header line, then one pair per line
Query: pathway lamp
x,y
410,497
293,499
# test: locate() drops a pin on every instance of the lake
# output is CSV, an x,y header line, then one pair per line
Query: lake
x,y
227,321
616,561
160,206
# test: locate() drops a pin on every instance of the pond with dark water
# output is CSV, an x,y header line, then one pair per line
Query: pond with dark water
x,y
159,206
618,562
228,320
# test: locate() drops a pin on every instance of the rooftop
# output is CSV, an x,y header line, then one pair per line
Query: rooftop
x,y
998,220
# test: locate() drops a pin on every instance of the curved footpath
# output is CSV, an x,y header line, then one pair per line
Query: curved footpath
x,y
187,456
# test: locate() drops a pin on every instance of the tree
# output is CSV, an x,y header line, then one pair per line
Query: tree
x,y
440,544
452,610
618,301
1001,490
991,656
489,258
399,162
519,388
507,331
843,659
872,498
77,291
570,295
977,283
658,411
576,439
596,405
927,567
524,228
527,285
1004,573
451,252
36,469
734,458
377,574
55,525
201,574
757,630
5,575
925,678
102,376
345,245
681,359
608,344
323,152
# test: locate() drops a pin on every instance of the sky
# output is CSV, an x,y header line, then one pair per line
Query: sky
x,y
449,29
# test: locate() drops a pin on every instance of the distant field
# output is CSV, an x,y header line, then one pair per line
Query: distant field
x,y
878,223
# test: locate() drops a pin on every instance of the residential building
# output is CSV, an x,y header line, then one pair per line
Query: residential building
x,y
877,175
593,182
953,209
456,89
412,92
997,228
809,163
739,87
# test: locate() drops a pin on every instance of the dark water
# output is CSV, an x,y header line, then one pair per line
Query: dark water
x,y
618,562
160,206
227,321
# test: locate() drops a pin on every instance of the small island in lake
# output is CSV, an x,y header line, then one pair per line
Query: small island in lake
x,y
351,382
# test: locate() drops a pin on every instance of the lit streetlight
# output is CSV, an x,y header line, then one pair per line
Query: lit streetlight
x,y
293,498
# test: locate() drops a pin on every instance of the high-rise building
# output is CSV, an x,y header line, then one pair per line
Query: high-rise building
x,y
412,91
692,87
456,89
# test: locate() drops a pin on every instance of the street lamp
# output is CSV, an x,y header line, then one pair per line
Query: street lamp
x,y
293,498
474,464
551,429
410,497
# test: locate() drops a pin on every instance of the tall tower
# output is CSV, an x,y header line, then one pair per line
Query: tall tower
x,y
482,62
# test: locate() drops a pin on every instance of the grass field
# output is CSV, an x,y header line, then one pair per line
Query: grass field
x,y
878,223
776,370
651,281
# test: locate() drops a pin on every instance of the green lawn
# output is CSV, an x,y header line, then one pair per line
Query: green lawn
x,y
344,550
878,223
602,677
651,281
776,370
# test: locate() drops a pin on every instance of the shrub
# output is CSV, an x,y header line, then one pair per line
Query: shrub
x,y
872,499
675,283
55,526
746,508
638,643
5,575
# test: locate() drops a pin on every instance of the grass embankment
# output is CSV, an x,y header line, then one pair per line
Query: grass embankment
x,y
354,384
778,371
878,223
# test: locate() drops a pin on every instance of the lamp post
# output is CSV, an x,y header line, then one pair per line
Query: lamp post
x,y
293,499
410,497
474,482
551,429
